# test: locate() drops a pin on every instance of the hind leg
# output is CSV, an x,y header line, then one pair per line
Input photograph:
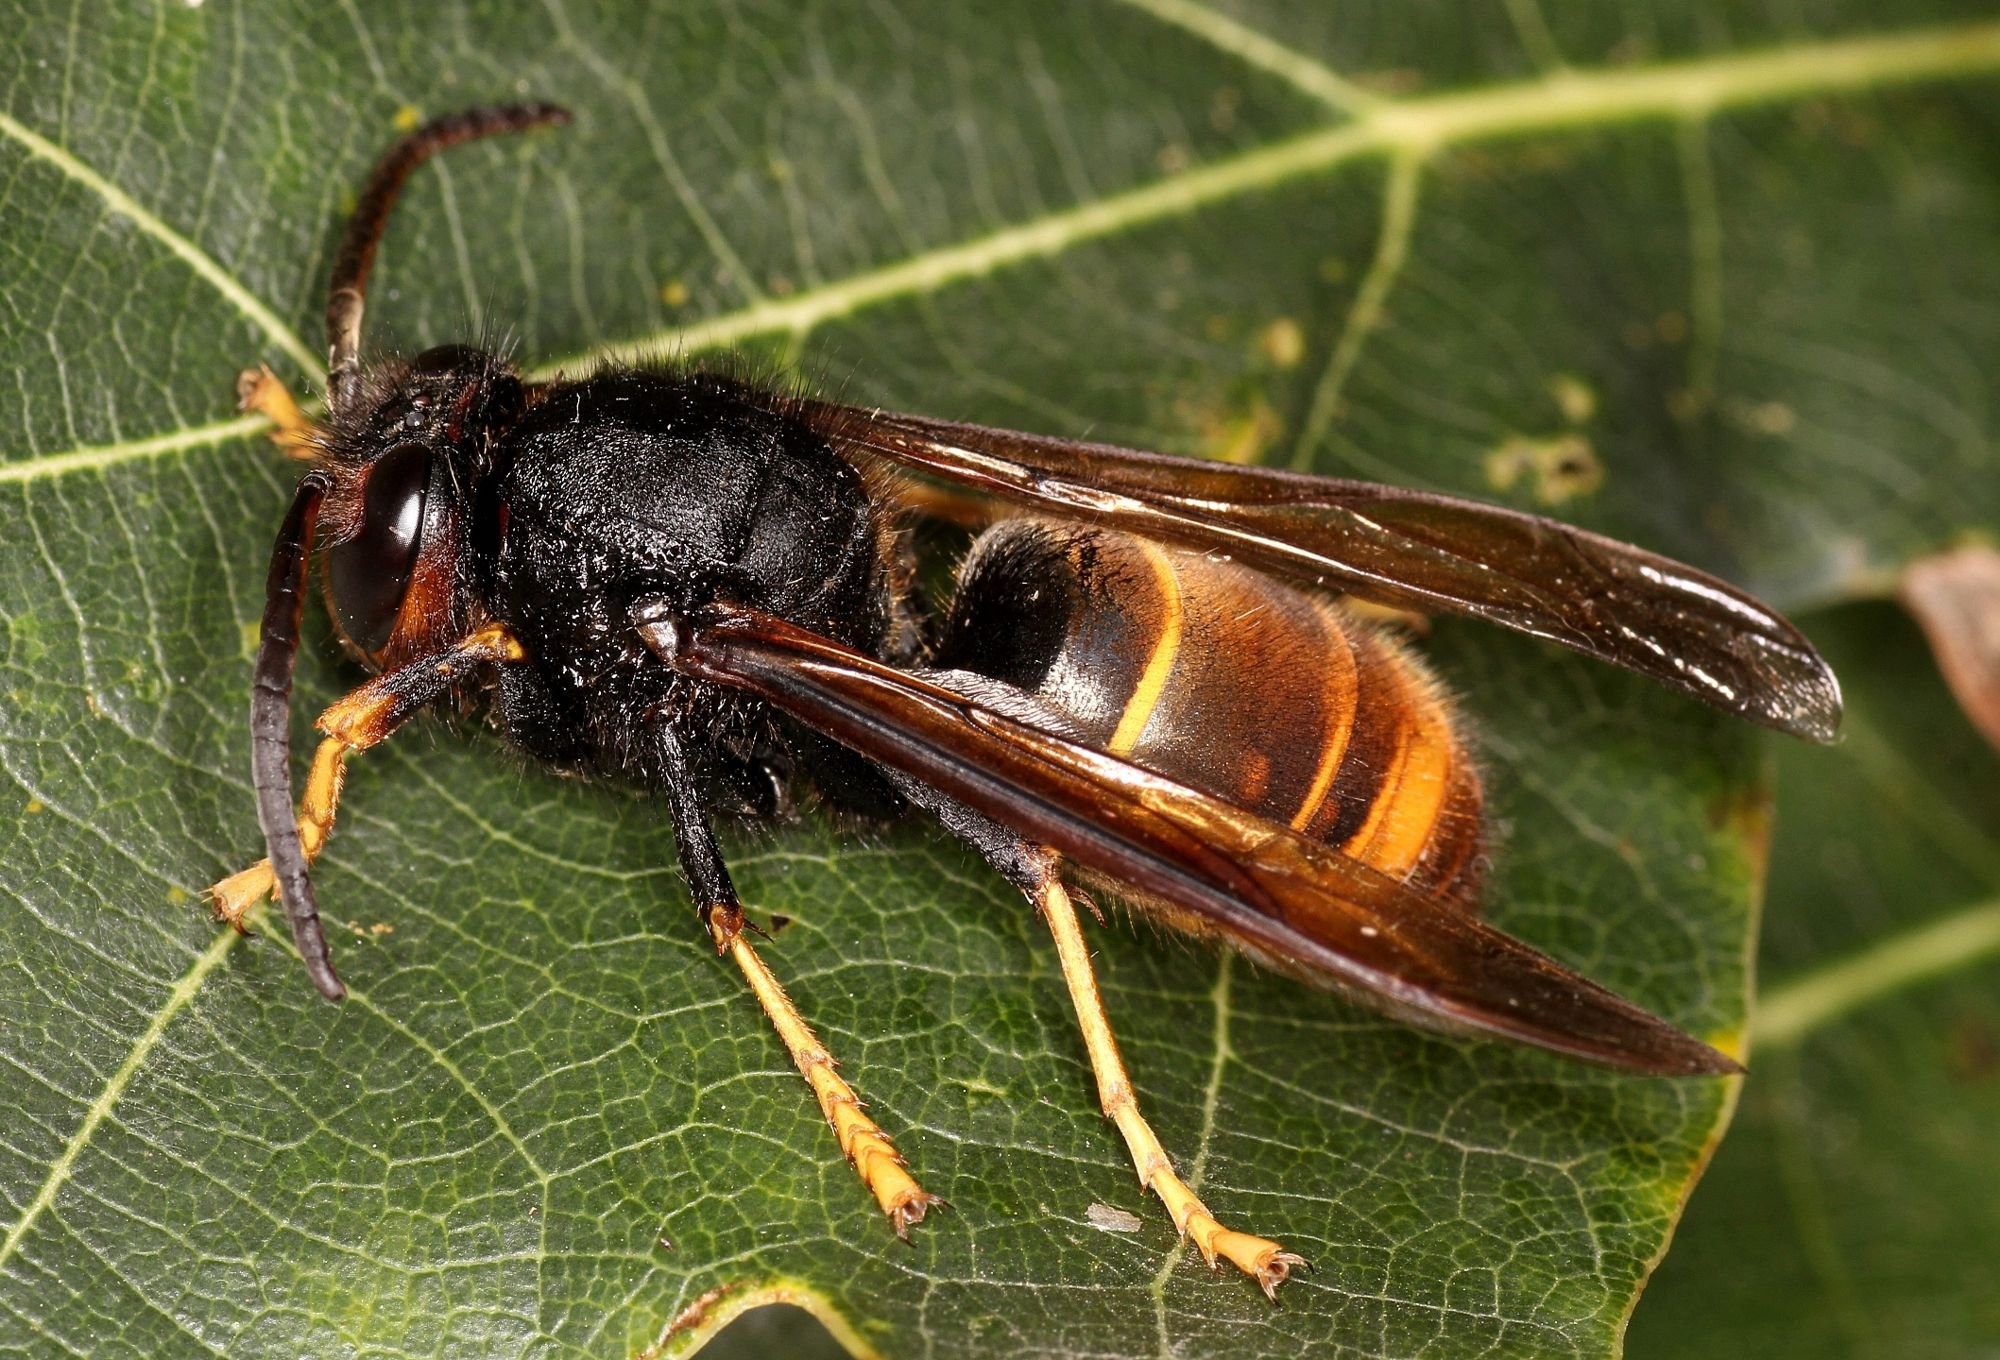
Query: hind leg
x,y
1260,1258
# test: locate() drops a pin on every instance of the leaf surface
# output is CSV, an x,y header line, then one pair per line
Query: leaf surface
x,y
1706,283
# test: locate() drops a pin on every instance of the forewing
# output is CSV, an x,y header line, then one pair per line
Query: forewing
x,y
1411,549
1257,883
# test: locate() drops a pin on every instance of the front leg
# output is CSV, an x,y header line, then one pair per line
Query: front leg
x,y
362,719
867,1149
258,389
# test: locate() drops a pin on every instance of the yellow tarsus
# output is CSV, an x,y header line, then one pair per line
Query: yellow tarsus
x,y
868,1149
1265,1261
234,896
353,723
258,389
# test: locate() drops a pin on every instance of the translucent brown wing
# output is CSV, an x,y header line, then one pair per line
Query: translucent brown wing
x,y
1256,883
1410,549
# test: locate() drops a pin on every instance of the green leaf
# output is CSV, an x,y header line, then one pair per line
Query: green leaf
x,y
1710,282
1853,1212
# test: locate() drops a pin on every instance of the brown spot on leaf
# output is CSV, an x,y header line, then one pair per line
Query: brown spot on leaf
x,y
688,1318
1562,468
1974,1054
1956,597
1743,815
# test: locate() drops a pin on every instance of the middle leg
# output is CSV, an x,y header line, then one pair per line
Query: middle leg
x,y
867,1148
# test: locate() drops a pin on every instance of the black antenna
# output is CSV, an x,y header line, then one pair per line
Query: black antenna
x,y
291,555
271,734
349,284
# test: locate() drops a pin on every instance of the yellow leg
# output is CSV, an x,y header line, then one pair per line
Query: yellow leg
x,y
952,507
234,896
1263,1260
355,723
867,1149
258,389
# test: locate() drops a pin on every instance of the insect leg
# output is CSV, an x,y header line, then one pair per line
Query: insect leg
x,y
1034,870
258,389
867,1149
362,719
932,501
1263,1260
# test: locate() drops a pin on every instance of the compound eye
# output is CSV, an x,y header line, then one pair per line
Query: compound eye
x,y
370,572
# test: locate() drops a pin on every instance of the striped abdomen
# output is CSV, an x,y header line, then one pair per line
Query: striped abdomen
x,y
1220,677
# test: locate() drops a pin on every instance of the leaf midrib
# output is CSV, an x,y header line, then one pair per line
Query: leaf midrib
x,y
204,265
1690,90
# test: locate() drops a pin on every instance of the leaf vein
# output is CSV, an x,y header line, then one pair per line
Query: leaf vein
x,y
1789,1014
64,1166
1258,49
1551,103
1563,100
205,266
1704,259
1365,313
